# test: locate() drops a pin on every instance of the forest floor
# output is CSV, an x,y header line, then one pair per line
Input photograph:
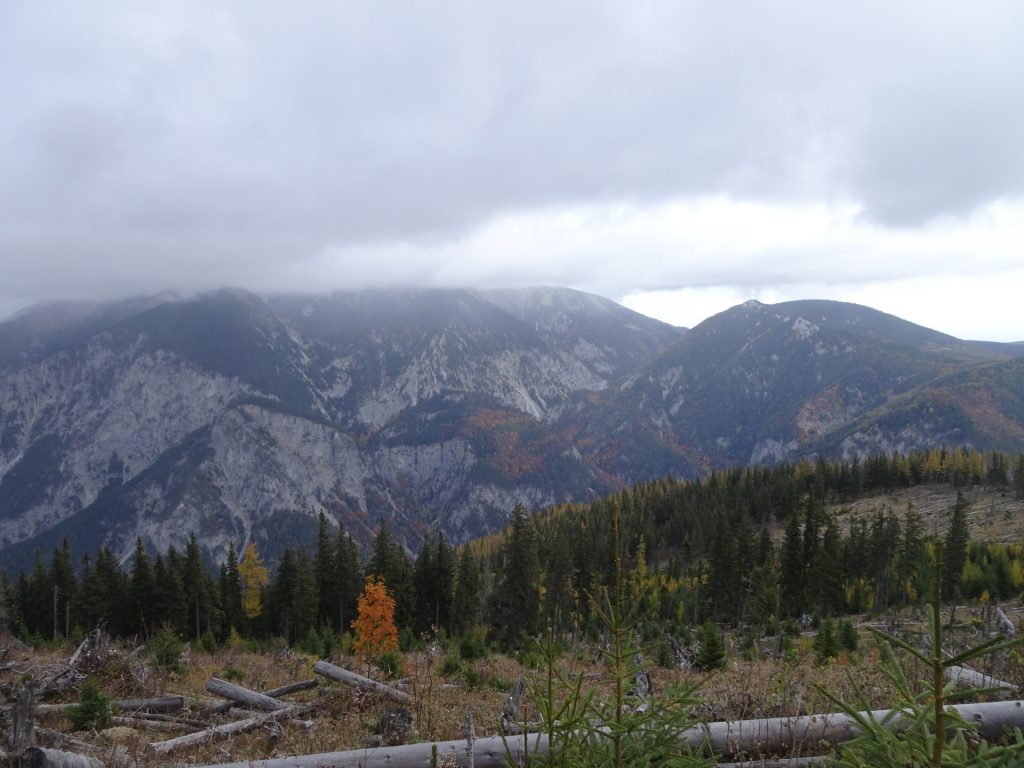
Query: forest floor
x,y
753,684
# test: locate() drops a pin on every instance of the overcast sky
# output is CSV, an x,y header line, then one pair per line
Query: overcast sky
x,y
678,156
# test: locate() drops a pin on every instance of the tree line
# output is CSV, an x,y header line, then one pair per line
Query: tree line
x,y
691,552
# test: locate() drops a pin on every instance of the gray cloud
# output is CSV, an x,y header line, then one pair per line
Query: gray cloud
x,y
202,144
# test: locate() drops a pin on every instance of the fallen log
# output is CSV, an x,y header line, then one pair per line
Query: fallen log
x,y
242,695
274,693
162,703
364,683
766,736
159,704
153,725
239,726
40,757
970,678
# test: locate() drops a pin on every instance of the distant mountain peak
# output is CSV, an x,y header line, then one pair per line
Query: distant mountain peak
x,y
243,417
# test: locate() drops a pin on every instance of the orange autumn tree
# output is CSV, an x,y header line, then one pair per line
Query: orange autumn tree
x,y
375,628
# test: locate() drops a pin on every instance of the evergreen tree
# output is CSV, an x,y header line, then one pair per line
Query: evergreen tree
x,y
389,562
466,602
791,587
711,654
434,579
141,588
955,548
348,578
65,586
826,643
230,588
911,555
515,600
326,571
193,583
168,606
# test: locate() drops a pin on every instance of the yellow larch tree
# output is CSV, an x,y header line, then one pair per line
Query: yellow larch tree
x,y
254,576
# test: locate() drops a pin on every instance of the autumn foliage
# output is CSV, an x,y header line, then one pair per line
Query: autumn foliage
x,y
375,628
254,576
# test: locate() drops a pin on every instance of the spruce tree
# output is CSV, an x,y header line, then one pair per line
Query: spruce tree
x,y
516,600
466,603
142,586
230,588
955,548
326,574
712,650
349,580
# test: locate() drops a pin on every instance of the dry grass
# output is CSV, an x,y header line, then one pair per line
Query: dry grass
x,y
347,719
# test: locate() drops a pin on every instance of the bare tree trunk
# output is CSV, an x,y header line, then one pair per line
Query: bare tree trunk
x,y
284,690
769,736
351,678
242,695
966,677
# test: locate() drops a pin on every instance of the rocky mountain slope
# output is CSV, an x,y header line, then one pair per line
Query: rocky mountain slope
x,y
241,418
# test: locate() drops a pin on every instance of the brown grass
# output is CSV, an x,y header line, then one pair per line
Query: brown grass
x,y
346,719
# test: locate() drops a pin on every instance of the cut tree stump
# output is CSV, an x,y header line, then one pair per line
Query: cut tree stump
x,y
340,675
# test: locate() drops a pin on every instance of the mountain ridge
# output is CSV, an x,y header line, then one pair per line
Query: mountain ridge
x,y
243,417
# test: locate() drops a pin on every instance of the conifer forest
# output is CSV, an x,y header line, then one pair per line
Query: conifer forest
x,y
748,548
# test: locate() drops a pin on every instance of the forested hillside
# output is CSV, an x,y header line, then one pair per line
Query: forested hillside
x,y
748,547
